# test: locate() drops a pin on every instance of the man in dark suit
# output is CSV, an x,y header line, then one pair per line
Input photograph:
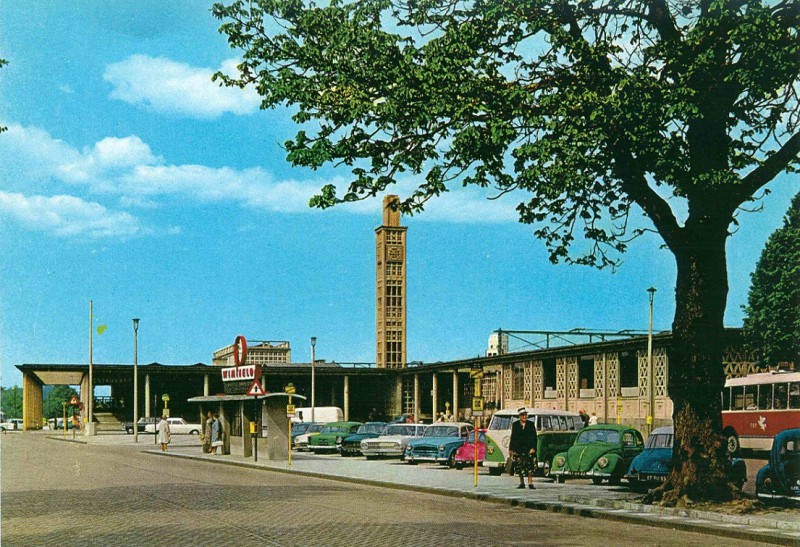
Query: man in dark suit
x,y
523,447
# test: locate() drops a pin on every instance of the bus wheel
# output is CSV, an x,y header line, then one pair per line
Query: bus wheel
x,y
495,471
732,442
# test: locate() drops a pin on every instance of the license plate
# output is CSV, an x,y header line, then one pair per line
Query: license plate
x,y
655,478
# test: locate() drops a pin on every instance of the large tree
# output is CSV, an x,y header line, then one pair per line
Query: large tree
x,y
772,324
587,109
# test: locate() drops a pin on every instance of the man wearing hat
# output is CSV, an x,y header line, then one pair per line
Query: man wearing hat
x,y
523,447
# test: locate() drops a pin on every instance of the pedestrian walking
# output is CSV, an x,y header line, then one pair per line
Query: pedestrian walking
x,y
584,417
522,447
216,436
593,419
207,433
164,436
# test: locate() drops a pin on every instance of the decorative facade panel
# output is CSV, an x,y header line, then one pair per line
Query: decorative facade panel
x,y
737,362
643,366
660,364
599,375
561,378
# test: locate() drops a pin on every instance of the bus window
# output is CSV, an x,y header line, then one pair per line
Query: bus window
x,y
562,423
726,398
765,396
544,423
737,398
781,398
751,397
794,395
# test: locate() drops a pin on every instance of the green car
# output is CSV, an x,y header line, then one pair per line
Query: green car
x,y
331,435
601,452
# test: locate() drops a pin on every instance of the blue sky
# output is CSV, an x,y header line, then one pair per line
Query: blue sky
x,y
129,179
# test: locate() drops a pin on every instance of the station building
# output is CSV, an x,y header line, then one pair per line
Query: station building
x,y
615,377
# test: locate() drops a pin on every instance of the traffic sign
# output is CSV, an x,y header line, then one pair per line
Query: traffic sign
x,y
476,373
74,401
290,389
477,404
256,389
165,398
290,410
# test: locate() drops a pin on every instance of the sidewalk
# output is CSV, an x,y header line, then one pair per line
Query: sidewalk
x,y
780,526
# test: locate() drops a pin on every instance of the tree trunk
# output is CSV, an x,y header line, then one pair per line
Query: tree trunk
x,y
696,377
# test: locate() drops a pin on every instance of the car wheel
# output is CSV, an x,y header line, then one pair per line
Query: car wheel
x,y
370,457
546,468
560,479
597,480
451,460
411,462
495,471
732,442
194,432
129,430
459,466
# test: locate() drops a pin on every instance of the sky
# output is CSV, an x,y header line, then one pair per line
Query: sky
x,y
129,179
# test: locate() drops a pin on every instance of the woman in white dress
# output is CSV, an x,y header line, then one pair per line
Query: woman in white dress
x,y
163,433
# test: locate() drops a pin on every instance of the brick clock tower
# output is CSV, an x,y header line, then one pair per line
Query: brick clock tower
x,y
390,288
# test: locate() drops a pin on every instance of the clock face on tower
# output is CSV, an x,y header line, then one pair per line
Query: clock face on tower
x,y
394,253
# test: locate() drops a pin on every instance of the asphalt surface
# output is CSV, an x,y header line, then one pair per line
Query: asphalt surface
x,y
106,491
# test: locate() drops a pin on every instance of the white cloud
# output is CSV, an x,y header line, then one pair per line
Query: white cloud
x,y
66,216
127,168
171,87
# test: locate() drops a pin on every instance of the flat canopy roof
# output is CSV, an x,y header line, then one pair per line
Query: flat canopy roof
x,y
226,398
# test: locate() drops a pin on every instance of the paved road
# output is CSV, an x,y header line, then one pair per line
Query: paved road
x,y
58,493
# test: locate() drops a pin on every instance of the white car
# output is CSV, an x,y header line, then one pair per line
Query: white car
x,y
177,426
393,442
11,424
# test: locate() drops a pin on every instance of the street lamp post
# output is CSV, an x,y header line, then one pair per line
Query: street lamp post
x,y
313,376
651,381
136,380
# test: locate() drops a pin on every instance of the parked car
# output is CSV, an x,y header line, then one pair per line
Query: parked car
x,y
557,431
351,445
779,480
11,424
177,426
332,435
465,454
651,467
601,452
141,424
393,441
300,442
438,444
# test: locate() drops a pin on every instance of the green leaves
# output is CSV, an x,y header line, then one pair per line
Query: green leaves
x,y
579,105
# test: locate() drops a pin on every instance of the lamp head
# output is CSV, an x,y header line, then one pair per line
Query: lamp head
x,y
313,341
135,324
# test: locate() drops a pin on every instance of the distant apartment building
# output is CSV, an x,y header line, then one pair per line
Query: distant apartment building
x,y
498,344
259,352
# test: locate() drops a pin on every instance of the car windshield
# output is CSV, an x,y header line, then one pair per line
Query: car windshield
x,y
300,428
598,436
501,422
335,429
399,430
471,438
314,428
441,431
371,428
659,441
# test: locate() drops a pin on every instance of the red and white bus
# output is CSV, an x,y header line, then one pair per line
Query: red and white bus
x,y
758,406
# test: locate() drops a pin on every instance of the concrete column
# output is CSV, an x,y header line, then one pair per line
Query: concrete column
x,y
347,398
435,394
147,410
398,399
455,393
205,385
416,397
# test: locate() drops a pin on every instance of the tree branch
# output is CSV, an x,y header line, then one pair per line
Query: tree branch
x,y
768,170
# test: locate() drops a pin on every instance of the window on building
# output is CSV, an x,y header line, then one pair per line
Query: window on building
x,y
518,378
628,369
549,374
586,373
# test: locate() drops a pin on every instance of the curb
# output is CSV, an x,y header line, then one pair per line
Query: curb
x,y
733,526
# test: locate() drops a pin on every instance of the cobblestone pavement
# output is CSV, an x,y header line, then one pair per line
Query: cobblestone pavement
x,y
64,493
